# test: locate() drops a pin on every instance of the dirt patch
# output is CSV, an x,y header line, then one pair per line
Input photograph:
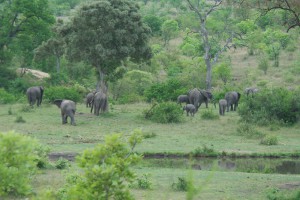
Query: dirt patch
x,y
66,155
36,73
290,186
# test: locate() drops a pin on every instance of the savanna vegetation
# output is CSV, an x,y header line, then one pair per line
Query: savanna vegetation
x,y
143,55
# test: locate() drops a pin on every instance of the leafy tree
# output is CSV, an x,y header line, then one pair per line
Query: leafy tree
x,y
52,47
24,25
104,33
154,23
169,30
215,33
106,170
291,9
223,72
263,64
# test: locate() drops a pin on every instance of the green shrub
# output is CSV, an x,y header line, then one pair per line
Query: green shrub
x,y
276,194
60,92
130,98
6,97
166,112
62,163
204,151
112,162
271,105
17,163
269,140
20,119
209,114
167,91
144,182
180,185
42,159
149,135
26,108
249,131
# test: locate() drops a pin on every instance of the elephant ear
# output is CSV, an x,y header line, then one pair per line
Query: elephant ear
x,y
58,102
204,93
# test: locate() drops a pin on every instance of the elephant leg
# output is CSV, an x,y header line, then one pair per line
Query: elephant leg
x,y
206,104
72,119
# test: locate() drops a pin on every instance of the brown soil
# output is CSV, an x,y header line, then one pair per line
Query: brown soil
x,y
290,185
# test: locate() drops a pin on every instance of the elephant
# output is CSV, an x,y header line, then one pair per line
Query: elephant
x,y
89,99
183,99
222,106
68,109
232,99
189,108
251,90
197,97
35,94
100,103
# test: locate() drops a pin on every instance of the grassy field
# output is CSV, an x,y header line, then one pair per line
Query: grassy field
x,y
44,123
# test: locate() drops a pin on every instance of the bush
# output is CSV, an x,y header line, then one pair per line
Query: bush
x,y
166,112
248,130
168,91
42,160
20,119
271,105
6,97
144,182
60,92
180,185
17,163
269,140
62,163
204,151
209,114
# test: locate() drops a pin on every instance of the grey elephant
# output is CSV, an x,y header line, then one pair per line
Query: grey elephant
x,y
100,103
89,99
232,99
183,99
67,108
251,90
189,108
35,94
197,97
222,106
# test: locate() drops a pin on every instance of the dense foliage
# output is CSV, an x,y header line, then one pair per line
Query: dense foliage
x,y
271,105
106,170
165,112
18,161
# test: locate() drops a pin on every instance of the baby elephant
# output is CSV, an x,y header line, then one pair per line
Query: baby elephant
x,y
189,108
222,106
183,99
67,108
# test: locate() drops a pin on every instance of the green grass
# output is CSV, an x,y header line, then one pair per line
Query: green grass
x,y
44,123
219,134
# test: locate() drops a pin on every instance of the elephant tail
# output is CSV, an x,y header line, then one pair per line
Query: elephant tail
x,y
42,92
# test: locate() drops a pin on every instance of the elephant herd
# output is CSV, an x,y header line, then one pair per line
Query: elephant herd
x,y
195,97
96,100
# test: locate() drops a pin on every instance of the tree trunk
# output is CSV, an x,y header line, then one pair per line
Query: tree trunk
x,y
102,84
207,56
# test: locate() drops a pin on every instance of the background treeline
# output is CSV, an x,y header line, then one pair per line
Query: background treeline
x,y
249,46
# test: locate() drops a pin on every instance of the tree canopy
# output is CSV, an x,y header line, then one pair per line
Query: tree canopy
x,y
105,33
24,25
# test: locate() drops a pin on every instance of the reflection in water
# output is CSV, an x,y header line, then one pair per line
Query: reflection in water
x,y
251,165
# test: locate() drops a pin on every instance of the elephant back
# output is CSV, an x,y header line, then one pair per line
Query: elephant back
x,y
193,95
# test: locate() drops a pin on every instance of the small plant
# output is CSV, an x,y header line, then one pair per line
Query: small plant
x,y
149,135
208,114
62,163
144,182
10,111
269,140
180,185
42,159
26,108
20,119
248,130
204,151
